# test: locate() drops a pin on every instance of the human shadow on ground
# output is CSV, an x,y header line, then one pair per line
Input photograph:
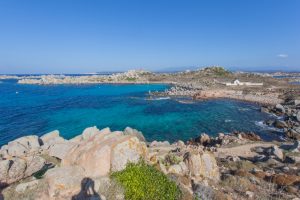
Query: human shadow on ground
x,y
2,186
87,191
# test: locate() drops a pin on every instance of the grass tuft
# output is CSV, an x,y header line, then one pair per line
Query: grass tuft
x,y
143,182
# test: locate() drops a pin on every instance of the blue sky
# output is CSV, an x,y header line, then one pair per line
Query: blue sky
x,y
71,36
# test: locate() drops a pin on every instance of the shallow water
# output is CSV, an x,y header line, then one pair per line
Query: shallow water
x,y
35,109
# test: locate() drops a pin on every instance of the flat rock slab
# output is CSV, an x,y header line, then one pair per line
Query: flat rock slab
x,y
241,150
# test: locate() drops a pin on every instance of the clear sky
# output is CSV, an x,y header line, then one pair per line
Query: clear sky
x,y
72,36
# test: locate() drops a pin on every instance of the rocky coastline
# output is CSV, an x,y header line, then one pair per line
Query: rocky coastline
x,y
205,83
230,166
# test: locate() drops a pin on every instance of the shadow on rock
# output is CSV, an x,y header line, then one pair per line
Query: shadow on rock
x,y
87,191
2,186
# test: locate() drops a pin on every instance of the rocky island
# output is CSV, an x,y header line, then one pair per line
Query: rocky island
x,y
205,83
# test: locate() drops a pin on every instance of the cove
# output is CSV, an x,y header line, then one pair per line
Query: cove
x,y
36,109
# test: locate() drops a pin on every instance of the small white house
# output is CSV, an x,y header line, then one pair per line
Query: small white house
x,y
238,83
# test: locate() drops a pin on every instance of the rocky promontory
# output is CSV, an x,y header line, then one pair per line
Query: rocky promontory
x,y
230,166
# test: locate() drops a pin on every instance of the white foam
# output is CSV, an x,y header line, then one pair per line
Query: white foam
x,y
266,127
158,98
185,102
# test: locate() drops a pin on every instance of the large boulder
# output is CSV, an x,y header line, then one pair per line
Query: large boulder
x,y
22,187
277,153
280,108
134,132
4,167
280,124
4,152
18,168
24,145
93,155
64,181
60,150
51,139
296,146
203,139
202,164
159,144
90,132
128,150
49,136
180,169
104,152
34,164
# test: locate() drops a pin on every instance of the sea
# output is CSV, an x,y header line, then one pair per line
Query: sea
x,y
39,109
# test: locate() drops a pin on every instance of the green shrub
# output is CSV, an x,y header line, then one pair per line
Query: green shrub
x,y
130,79
143,182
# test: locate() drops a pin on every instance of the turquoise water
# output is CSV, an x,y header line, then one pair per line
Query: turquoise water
x,y
35,109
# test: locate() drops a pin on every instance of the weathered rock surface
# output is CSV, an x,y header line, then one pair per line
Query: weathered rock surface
x,y
277,152
204,165
104,151
134,132
34,164
51,138
180,169
4,167
60,150
64,181
18,168
280,124
22,187
285,180
280,108
130,149
203,139
24,145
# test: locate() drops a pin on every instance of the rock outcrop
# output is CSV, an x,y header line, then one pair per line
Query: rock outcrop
x,y
105,151
16,169
23,146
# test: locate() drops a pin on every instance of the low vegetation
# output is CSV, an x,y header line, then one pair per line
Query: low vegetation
x,y
141,181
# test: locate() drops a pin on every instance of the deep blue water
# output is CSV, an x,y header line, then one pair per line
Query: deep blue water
x,y
35,109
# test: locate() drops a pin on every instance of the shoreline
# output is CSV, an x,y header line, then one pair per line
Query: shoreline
x,y
201,161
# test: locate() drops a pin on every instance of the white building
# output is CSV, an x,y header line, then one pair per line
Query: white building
x,y
238,83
